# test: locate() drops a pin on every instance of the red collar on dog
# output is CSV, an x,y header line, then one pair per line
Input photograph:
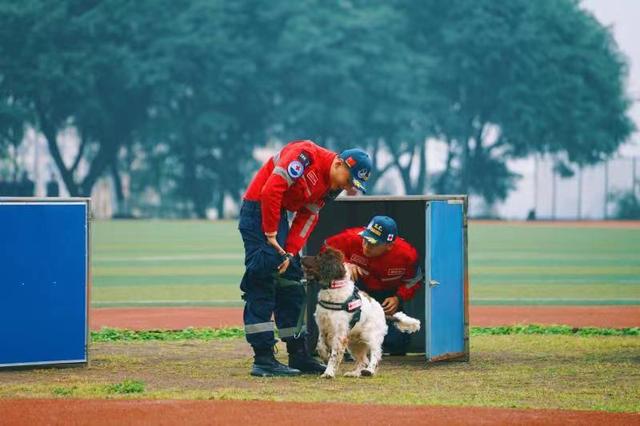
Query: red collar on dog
x,y
340,283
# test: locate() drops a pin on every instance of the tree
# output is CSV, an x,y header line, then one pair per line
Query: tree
x,y
12,119
83,66
350,83
521,77
211,109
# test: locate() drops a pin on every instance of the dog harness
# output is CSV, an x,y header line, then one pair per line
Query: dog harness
x,y
353,304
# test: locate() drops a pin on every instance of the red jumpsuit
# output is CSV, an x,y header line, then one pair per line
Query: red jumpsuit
x,y
295,179
396,271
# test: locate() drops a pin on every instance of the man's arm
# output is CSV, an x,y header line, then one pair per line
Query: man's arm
x,y
412,279
410,286
288,169
339,242
303,224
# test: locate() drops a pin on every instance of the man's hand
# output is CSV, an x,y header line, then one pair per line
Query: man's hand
x,y
284,265
355,271
271,239
390,305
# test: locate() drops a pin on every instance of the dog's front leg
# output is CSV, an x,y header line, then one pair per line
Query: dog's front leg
x,y
376,355
321,347
338,346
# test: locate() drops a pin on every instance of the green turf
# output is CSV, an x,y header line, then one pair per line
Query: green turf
x,y
511,371
144,263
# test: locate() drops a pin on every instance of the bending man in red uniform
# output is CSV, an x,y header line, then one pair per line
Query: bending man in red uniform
x,y
385,266
300,179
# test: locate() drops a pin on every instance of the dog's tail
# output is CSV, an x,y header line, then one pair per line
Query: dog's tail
x,y
404,322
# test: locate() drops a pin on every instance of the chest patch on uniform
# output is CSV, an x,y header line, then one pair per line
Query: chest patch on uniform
x,y
313,178
396,271
295,169
359,259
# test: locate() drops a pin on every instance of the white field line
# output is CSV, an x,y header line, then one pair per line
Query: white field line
x,y
173,257
229,302
549,298
225,302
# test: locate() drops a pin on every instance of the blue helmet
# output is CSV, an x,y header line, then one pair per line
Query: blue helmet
x,y
360,166
381,230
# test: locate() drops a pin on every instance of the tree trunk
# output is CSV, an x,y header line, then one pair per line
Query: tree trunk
x,y
421,184
442,185
220,204
376,173
117,183
107,154
50,134
465,172
405,174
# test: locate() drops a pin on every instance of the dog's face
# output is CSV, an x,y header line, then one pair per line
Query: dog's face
x,y
325,267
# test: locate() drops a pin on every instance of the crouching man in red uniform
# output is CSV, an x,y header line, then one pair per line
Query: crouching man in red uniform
x,y
383,265
301,178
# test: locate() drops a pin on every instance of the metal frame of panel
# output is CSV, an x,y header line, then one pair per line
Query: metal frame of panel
x,y
464,354
88,283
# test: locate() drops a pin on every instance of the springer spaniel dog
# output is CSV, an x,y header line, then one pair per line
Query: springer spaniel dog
x,y
349,318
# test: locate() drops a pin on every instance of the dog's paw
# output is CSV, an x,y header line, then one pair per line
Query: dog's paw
x,y
366,373
354,373
327,376
405,323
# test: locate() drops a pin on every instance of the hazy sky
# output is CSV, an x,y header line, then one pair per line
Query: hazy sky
x,y
623,16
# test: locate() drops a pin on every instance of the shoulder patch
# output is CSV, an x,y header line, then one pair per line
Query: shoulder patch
x,y
305,159
295,169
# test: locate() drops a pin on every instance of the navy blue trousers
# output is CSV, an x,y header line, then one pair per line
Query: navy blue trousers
x,y
266,295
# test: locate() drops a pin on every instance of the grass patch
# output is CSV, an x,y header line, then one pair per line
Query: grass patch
x,y
555,330
62,391
126,387
122,335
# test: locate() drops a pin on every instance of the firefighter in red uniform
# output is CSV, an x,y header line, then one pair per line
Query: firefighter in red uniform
x,y
301,178
385,266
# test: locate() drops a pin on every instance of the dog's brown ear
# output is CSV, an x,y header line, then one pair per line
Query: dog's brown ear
x,y
310,266
308,261
335,254
331,265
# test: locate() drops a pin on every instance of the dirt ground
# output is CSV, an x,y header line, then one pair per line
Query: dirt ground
x,y
105,412
525,379
483,316
511,371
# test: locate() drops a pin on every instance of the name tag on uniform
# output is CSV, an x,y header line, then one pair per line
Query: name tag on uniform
x,y
313,178
359,259
396,271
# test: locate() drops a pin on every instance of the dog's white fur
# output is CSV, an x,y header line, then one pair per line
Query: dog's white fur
x,y
364,341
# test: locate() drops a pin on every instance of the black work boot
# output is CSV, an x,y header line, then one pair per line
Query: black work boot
x,y
300,359
265,364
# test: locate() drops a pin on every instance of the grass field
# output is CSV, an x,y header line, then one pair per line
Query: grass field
x,y
155,263
539,371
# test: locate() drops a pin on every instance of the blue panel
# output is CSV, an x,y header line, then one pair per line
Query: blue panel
x,y
43,282
445,301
